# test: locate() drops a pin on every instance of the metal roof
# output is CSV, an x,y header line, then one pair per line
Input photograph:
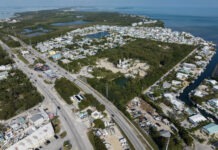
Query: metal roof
x,y
211,128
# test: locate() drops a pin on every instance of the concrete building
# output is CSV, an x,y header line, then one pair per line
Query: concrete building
x,y
34,140
37,119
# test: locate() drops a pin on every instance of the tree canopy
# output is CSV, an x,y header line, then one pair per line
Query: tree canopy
x,y
17,94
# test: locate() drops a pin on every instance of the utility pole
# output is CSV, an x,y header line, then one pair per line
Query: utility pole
x,y
107,90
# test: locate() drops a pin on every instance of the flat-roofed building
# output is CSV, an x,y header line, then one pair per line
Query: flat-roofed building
x,y
37,119
34,140
211,128
195,119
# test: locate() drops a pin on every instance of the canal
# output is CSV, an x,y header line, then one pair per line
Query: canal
x,y
201,26
206,74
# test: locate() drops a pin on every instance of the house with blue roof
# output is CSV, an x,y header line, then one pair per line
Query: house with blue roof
x,y
56,57
210,129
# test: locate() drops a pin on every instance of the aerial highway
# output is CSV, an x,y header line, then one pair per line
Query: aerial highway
x,y
74,130
134,135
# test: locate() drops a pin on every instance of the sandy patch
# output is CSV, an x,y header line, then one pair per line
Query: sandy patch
x,y
134,68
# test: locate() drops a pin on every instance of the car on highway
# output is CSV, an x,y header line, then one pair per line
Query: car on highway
x,y
158,124
47,142
56,137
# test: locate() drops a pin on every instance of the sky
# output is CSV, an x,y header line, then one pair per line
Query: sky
x,y
112,3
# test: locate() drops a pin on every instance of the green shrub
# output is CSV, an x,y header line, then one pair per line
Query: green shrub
x,y
63,134
99,124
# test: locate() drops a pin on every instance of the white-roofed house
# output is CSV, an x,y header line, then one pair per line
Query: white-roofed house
x,y
181,76
3,75
176,103
215,88
195,119
213,102
213,82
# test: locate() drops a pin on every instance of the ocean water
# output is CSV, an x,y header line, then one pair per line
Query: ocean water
x,y
198,21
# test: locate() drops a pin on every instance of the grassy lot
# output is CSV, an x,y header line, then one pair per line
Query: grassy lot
x,y
66,89
20,56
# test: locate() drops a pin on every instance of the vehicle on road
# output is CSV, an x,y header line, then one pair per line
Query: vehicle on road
x,y
47,142
56,137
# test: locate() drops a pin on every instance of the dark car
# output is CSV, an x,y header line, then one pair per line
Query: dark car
x,y
59,107
47,142
56,137
158,124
